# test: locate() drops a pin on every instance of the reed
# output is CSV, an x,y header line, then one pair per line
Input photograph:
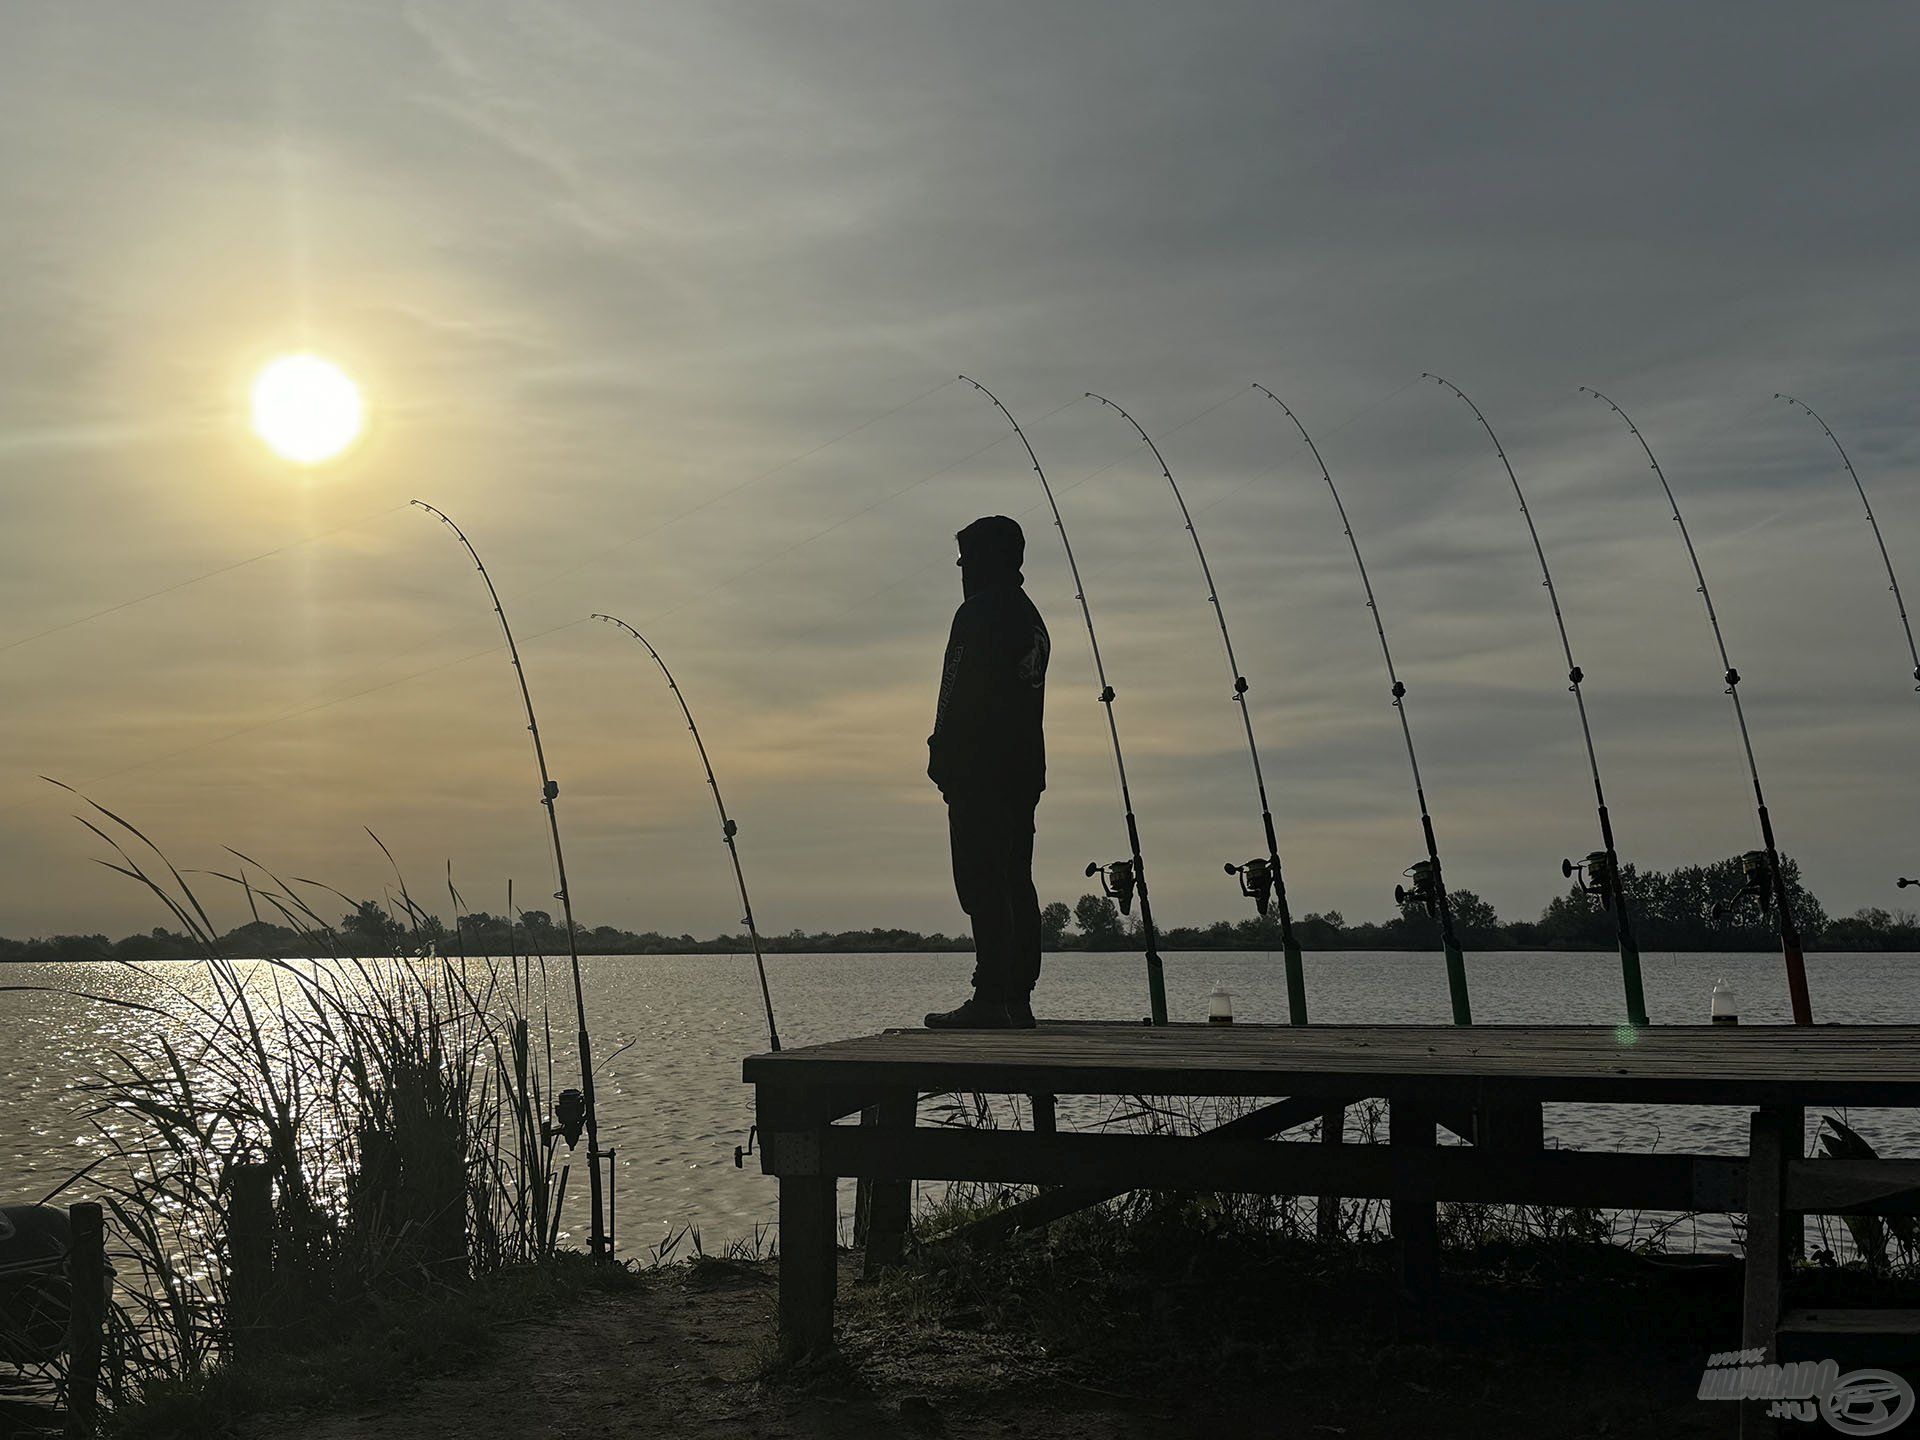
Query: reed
x,y
398,1102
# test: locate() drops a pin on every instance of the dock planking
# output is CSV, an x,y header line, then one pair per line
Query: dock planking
x,y
1705,1065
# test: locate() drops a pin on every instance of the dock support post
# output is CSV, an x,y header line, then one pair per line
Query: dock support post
x,y
807,1257
889,1202
1045,1122
1333,1131
1415,1218
249,1258
1766,1251
86,1315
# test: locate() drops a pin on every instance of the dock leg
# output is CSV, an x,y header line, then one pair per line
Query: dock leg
x,y
86,1315
889,1202
1766,1251
1509,1125
1415,1219
1333,1131
1044,1120
807,1225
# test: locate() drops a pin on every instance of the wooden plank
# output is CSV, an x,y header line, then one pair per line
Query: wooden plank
x,y
1766,1253
86,1315
1850,1322
1279,1167
1443,1065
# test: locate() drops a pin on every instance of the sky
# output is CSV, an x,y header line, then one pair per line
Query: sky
x,y
664,304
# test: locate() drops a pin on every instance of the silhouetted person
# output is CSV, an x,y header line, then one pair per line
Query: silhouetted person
x,y
989,759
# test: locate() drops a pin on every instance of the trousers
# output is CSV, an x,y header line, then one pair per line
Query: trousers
x,y
992,839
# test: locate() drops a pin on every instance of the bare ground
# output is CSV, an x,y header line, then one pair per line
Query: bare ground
x,y
687,1353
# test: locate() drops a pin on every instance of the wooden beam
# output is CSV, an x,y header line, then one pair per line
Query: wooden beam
x,y
1838,1187
1276,1167
1044,1209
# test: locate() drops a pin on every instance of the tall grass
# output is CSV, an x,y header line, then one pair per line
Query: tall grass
x,y
398,1101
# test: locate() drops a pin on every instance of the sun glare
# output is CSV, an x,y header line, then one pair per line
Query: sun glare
x,y
307,409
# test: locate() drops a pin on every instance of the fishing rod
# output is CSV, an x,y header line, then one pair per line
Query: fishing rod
x,y
1893,581
549,789
1429,888
1260,878
1762,880
1600,872
727,828
1120,879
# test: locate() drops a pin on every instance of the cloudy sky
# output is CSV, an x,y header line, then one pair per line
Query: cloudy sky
x,y
664,304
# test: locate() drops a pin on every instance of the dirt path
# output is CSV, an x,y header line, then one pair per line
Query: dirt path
x,y
682,1356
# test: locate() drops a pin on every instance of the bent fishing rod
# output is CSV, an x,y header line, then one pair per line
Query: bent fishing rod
x,y
1599,873
1893,581
601,1241
1260,878
1120,879
1429,888
727,828
1762,880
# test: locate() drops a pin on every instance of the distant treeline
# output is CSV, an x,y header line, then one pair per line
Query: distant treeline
x,y
1672,910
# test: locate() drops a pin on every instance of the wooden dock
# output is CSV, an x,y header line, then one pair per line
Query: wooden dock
x,y
1485,1083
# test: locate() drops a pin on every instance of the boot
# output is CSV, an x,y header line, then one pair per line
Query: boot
x,y
978,1013
1020,1012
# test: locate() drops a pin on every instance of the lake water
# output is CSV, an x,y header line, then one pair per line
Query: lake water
x,y
673,1105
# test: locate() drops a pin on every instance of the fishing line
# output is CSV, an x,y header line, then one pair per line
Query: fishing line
x,y
1429,889
1893,581
600,1243
728,830
1120,879
1037,506
1260,878
1600,872
1762,877
195,580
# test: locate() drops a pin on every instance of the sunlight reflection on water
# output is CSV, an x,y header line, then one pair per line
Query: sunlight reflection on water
x,y
673,1105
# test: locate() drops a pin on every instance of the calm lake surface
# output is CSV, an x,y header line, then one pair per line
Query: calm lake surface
x,y
673,1105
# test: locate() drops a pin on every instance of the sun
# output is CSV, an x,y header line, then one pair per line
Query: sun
x,y
307,409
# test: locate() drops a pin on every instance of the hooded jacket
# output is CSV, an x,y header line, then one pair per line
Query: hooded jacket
x,y
987,737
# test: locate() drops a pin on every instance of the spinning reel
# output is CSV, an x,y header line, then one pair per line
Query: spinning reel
x,y
1598,876
569,1118
1425,890
1117,880
1256,881
1756,884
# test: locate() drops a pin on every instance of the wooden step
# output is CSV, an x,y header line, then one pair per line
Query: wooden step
x,y
1850,1322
